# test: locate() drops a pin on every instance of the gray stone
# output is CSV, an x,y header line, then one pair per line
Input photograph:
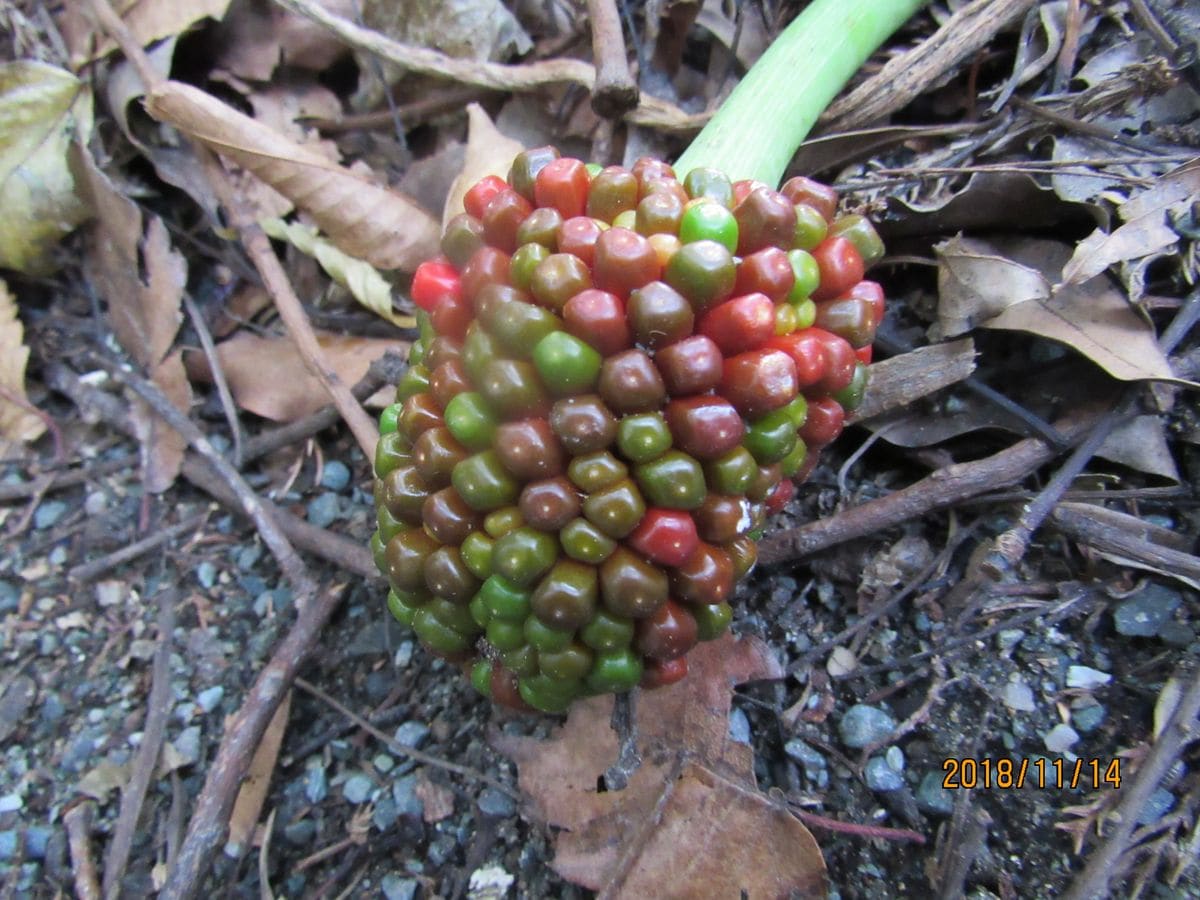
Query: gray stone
x,y
404,654
9,840
1176,634
335,475
188,744
395,887
864,725
52,708
412,734
316,785
496,804
11,802
49,513
301,832
404,792
248,556
385,814
358,788
1060,738
36,839
324,510
1143,614
10,597
1008,639
804,754
881,776
206,574
1019,697
1088,718
932,797
1086,677
210,698
1157,805
895,758
739,726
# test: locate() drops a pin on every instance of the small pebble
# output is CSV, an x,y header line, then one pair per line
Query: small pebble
x,y
316,785
489,883
335,475
187,745
1088,718
412,734
10,597
932,797
11,803
1086,677
496,804
881,776
382,762
1176,634
1157,805
841,662
49,513
248,556
1143,614
300,832
1060,738
739,726
206,574
404,792
807,756
385,814
1008,639
895,758
36,839
324,510
8,844
52,708
210,698
95,503
396,888
863,725
1018,697
358,788
404,654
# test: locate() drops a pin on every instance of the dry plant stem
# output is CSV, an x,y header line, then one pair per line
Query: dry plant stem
x,y
1180,731
89,570
78,822
1078,522
158,706
1010,546
56,480
291,564
624,724
228,406
615,91
906,76
404,749
650,111
210,817
258,247
870,832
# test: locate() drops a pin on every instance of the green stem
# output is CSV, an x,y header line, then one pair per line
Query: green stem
x,y
758,129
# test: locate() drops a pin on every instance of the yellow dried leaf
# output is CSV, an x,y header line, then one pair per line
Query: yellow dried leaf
x,y
16,423
370,222
248,805
361,279
42,109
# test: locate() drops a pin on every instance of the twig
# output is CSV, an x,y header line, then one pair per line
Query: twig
x,y
454,99
615,91
624,725
870,832
158,707
650,111
383,371
78,822
58,479
89,570
1010,547
904,77
291,564
228,406
1180,730
1078,522
403,749
258,248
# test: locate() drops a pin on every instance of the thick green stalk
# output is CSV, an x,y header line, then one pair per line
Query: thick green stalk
x,y
758,128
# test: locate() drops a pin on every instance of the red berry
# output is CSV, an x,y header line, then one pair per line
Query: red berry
x,y
824,423
668,634
434,279
487,265
819,196
705,427
563,184
807,351
691,366
780,495
665,536
502,217
598,317
476,199
740,324
624,261
578,235
863,354
759,381
841,267
450,316
767,272
661,672
839,361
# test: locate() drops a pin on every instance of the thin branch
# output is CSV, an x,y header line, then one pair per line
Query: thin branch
x,y
158,706
78,822
615,91
89,570
228,406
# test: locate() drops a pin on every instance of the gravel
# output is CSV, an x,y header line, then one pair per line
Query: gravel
x,y
864,725
1060,738
881,776
1147,611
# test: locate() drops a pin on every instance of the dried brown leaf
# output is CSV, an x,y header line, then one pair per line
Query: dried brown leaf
x,y
249,803
142,279
268,377
1012,285
17,424
437,800
148,20
680,828
255,38
489,152
365,220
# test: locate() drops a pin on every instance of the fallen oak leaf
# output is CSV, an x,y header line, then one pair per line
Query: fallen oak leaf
x,y
367,221
680,826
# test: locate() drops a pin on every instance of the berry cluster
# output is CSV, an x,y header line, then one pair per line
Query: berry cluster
x,y
619,376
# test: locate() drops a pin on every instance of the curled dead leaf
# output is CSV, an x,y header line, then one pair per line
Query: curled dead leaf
x,y
17,423
147,20
691,821
367,221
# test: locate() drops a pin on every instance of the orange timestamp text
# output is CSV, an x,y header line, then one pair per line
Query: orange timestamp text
x,y
967,772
